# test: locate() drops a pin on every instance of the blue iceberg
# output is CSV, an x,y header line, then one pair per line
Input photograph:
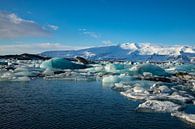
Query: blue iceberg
x,y
60,63
154,69
189,68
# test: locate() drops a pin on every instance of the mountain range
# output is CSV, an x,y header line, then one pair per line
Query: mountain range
x,y
132,52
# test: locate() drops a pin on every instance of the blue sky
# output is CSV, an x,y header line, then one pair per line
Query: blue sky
x,y
96,22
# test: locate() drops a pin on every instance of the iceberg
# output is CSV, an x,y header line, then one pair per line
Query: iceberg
x,y
189,68
6,76
159,106
160,89
60,63
137,92
111,79
113,68
22,79
187,117
152,69
121,86
48,72
25,71
181,98
10,76
3,63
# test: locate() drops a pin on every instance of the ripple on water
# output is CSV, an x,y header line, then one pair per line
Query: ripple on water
x,y
64,104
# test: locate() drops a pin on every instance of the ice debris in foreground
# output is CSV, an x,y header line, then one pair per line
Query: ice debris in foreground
x,y
164,87
187,117
159,106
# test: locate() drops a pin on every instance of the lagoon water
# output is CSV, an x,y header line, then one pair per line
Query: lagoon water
x,y
56,104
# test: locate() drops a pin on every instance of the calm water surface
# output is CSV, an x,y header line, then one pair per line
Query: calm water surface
x,y
43,104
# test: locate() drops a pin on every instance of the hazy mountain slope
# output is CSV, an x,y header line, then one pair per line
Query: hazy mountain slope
x,y
130,51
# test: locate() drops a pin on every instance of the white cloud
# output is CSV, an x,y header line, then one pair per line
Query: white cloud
x,y
90,33
53,27
107,42
34,48
12,26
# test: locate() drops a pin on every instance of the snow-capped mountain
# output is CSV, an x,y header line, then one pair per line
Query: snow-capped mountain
x,y
130,51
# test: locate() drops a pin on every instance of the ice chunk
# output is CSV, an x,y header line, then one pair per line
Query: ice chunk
x,y
159,106
95,68
24,73
147,74
125,78
161,89
23,79
48,72
181,98
3,63
138,89
121,86
189,68
153,69
21,69
137,92
60,63
113,68
99,68
135,95
188,117
111,79
6,76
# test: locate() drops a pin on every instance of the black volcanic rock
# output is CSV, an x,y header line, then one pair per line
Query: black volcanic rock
x,y
25,56
82,60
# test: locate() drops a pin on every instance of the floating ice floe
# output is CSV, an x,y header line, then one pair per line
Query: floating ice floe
x,y
10,76
3,63
189,68
60,63
24,71
185,98
137,92
160,89
110,79
7,76
48,72
121,86
187,117
114,68
25,78
159,106
152,69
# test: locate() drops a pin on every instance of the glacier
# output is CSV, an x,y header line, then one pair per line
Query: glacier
x,y
131,51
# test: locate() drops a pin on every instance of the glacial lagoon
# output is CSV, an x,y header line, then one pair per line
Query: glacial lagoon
x,y
61,93
71,104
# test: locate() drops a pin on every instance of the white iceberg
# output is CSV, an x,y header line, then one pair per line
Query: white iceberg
x,y
48,72
111,79
113,68
22,79
159,106
137,92
187,117
6,76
